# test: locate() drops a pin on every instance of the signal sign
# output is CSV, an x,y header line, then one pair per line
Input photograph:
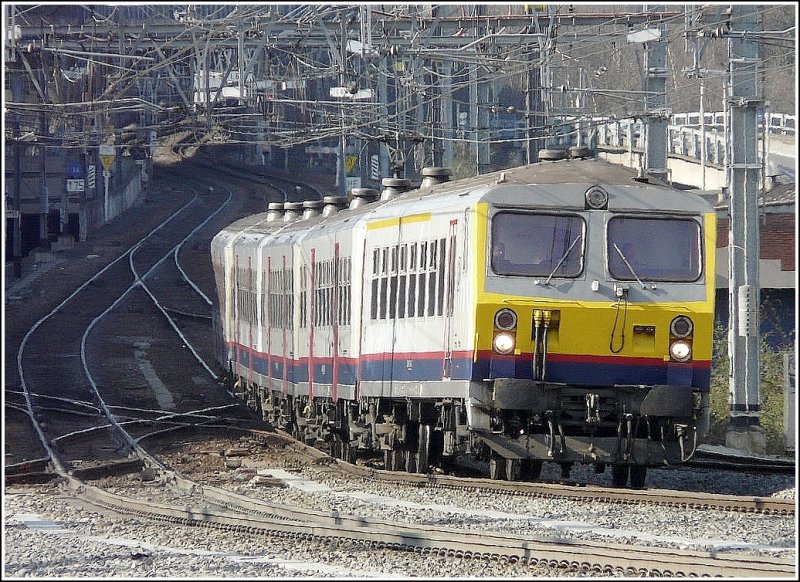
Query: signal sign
x,y
107,155
350,163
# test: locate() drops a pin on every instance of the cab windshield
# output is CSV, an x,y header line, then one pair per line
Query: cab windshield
x,y
537,245
654,249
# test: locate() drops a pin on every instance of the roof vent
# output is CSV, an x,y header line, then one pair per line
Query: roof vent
x,y
435,175
581,152
291,211
333,204
393,187
311,208
274,211
551,154
641,176
362,196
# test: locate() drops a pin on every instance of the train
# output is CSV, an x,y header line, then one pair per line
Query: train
x,y
557,312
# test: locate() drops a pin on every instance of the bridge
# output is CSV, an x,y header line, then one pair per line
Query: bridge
x,y
696,153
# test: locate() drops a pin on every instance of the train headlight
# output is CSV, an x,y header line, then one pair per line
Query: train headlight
x,y
680,351
596,198
504,343
505,319
681,326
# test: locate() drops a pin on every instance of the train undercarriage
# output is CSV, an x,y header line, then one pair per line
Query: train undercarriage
x,y
603,427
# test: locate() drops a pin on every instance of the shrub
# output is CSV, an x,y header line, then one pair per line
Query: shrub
x,y
770,393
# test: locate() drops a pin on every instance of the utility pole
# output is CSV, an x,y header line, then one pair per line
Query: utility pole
x,y
446,113
655,113
744,431
479,101
383,108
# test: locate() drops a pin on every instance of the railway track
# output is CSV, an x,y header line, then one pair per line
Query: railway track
x,y
91,438
585,558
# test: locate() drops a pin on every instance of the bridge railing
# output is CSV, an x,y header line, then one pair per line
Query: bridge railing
x,y
778,123
685,135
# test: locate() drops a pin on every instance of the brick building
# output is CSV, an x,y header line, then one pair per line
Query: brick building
x,y
777,271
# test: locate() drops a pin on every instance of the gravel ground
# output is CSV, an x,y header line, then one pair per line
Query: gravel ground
x,y
47,536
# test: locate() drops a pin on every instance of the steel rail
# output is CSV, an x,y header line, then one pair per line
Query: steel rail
x,y
556,552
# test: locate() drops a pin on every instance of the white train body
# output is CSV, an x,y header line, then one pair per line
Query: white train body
x,y
372,327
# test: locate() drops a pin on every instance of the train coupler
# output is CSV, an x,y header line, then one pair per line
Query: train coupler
x,y
552,424
625,432
592,408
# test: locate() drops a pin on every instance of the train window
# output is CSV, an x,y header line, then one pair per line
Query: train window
x,y
403,253
537,245
431,293
373,313
412,259
412,294
375,261
344,295
383,259
392,296
303,295
654,249
440,298
264,313
290,302
401,297
423,255
326,304
394,260
382,298
421,294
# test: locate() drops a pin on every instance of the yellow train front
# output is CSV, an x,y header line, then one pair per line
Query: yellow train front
x,y
594,306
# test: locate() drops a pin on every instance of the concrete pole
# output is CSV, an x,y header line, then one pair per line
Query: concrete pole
x,y
744,431
702,136
446,103
106,176
45,191
656,125
341,172
383,99
18,92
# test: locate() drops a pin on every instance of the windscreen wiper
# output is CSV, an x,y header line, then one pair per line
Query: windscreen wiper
x,y
562,259
630,268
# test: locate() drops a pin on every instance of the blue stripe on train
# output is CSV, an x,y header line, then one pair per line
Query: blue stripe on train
x,y
597,373
404,369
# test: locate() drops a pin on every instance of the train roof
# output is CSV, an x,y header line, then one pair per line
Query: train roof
x,y
564,172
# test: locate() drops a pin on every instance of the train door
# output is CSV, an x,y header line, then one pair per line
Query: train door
x,y
449,266
379,289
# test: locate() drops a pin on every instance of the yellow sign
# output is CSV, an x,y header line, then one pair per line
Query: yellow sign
x,y
350,163
107,155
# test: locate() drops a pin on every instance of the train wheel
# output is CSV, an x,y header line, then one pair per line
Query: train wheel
x,y
531,469
638,476
423,447
393,460
411,461
497,465
349,450
513,469
619,475
336,448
